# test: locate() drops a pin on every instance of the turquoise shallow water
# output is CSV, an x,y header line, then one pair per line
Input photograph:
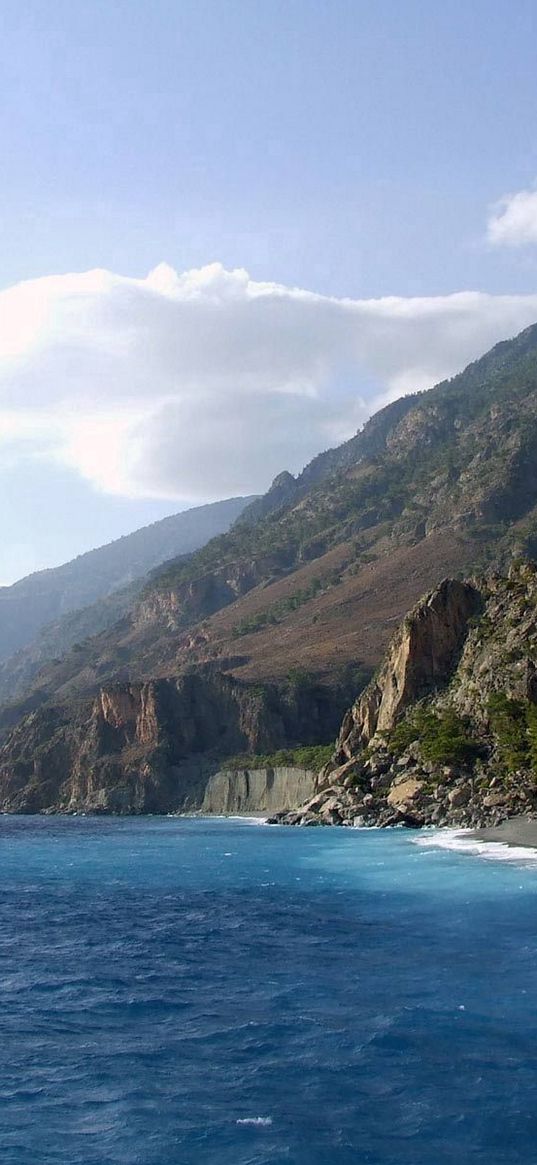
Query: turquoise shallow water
x,y
180,991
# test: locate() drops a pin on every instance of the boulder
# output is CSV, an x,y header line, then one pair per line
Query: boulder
x,y
459,796
404,791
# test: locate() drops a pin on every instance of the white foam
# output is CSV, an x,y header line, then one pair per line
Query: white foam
x,y
464,841
260,1121
229,817
243,817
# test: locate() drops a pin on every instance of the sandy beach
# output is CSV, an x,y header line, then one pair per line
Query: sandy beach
x,y
516,831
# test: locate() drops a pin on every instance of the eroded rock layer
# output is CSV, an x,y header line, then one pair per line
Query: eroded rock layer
x,y
268,790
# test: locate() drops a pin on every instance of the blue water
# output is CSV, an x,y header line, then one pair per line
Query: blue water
x,y
360,998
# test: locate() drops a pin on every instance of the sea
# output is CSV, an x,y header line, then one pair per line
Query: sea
x,y
183,991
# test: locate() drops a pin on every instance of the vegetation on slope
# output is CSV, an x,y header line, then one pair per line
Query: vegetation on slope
x,y
443,736
472,438
309,756
450,475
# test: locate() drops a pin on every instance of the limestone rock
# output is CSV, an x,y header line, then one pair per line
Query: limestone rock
x,y
459,796
271,790
419,660
404,792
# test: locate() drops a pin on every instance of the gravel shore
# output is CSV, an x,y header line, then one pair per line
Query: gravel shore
x,y
516,831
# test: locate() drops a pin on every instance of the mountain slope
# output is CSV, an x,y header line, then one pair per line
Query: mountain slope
x,y
39,599
369,442
451,485
441,484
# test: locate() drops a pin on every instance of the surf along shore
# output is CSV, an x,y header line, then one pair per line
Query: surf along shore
x,y
516,831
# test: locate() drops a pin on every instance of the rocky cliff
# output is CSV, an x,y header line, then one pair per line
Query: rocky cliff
x,y
151,747
446,733
268,790
421,658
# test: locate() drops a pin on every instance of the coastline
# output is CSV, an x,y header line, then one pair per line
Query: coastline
x,y
516,831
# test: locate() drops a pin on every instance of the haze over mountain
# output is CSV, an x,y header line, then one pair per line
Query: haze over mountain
x,y
255,641
32,602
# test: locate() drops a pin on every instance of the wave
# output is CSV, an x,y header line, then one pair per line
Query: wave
x,y
244,818
464,841
259,1121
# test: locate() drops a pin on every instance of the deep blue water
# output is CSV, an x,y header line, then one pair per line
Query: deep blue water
x,y
371,1000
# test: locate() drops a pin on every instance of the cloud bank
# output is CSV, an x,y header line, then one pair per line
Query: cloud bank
x,y
203,384
513,221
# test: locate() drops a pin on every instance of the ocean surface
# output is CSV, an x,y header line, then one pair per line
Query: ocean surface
x,y
187,991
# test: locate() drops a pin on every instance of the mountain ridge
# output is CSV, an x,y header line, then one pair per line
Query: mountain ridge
x,y
440,484
33,607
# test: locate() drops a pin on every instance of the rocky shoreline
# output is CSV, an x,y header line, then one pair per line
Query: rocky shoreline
x,y
389,791
446,732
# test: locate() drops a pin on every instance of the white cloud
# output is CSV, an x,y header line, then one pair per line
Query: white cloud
x,y
513,221
206,383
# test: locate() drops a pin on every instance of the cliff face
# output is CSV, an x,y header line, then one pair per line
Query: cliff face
x,y
270,790
210,591
420,658
446,733
151,747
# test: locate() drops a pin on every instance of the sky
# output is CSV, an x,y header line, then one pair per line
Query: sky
x,y
231,229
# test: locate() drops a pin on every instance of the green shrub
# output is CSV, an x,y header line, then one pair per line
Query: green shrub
x,y
443,737
531,718
447,740
308,756
509,722
514,725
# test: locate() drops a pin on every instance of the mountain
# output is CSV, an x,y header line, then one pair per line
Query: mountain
x,y
368,443
99,586
293,607
446,732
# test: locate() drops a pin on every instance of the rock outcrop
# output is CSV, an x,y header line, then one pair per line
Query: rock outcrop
x,y
446,733
420,659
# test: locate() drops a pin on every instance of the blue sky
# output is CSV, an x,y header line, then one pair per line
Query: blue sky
x,y
350,149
